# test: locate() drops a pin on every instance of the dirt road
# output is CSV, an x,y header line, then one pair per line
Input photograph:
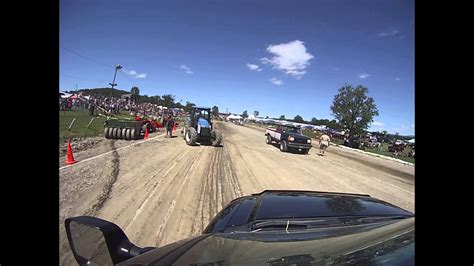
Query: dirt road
x,y
162,190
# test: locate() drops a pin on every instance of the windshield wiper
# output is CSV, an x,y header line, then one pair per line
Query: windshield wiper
x,y
314,223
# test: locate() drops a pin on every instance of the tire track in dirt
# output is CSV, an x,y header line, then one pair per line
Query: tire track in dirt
x,y
109,183
146,189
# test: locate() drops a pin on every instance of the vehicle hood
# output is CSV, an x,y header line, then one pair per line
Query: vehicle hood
x,y
390,242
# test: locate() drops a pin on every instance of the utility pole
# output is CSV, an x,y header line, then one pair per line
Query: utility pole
x,y
117,67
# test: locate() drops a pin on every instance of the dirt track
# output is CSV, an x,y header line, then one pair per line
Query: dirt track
x,y
162,190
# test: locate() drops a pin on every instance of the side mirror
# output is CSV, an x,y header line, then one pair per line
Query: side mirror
x,y
96,241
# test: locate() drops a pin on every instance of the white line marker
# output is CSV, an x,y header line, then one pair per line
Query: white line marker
x,y
103,154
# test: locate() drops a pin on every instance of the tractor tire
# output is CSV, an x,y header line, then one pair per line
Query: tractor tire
x,y
119,133
191,136
184,133
124,133
128,135
283,146
133,134
106,133
114,133
269,139
216,138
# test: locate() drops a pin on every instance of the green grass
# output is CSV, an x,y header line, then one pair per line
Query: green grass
x,y
79,129
390,154
385,151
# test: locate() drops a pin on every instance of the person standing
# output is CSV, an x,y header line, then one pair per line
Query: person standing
x,y
169,126
323,143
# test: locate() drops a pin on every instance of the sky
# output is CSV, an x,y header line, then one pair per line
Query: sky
x,y
276,57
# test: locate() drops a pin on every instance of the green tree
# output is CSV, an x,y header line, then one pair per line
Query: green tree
x,y
255,113
282,117
314,121
135,93
266,117
298,119
188,106
244,114
215,111
353,109
168,100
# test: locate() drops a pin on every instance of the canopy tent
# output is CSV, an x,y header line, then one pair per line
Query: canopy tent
x,y
234,117
412,141
65,95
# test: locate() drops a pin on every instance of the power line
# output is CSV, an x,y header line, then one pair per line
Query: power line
x,y
88,80
85,57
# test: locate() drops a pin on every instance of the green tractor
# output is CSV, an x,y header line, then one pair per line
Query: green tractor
x,y
198,128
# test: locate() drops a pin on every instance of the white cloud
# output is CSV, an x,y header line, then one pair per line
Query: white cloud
x,y
378,124
389,32
186,69
364,76
291,58
397,79
134,74
254,67
276,81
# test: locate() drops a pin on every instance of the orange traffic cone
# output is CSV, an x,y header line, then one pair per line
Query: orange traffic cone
x,y
70,157
174,127
146,133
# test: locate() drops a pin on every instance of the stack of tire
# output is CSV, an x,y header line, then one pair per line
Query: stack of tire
x,y
121,133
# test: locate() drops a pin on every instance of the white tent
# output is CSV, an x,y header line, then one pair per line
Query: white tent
x,y
65,95
412,141
234,117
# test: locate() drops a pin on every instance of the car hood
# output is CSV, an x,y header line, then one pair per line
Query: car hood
x,y
388,242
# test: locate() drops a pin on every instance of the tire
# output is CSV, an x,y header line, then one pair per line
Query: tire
x,y
106,133
184,133
283,146
115,132
216,138
191,136
112,133
269,139
133,134
128,134
119,133
124,133
305,151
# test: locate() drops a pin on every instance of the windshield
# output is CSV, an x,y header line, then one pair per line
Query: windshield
x,y
292,130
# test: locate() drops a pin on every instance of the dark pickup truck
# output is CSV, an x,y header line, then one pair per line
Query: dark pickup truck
x,y
289,137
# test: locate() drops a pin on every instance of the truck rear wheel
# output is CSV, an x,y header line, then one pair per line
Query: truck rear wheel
x,y
191,136
283,146
269,139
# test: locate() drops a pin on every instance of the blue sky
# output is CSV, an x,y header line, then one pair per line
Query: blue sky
x,y
277,57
